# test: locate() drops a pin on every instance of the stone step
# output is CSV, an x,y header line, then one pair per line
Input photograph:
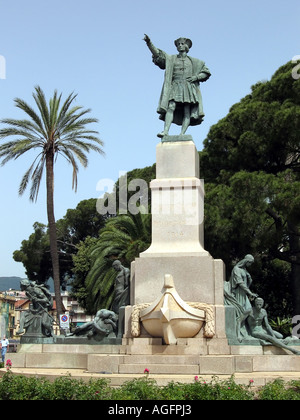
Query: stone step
x,y
159,368
49,360
169,363
142,359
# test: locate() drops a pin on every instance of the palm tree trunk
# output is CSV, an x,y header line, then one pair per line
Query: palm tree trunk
x,y
52,231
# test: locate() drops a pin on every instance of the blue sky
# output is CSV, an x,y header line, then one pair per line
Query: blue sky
x,y
96,49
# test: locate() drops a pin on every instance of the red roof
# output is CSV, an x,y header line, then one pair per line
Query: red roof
x,y
20,303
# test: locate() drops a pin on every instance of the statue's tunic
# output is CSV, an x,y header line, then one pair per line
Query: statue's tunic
x,y
177,88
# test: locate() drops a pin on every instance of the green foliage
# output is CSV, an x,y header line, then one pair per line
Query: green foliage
x,y
56,129
282,325
138,389
122,238
77,224
34,254
19,387
278,390
146,174
63,388
217,390
81,267
260,133
250,163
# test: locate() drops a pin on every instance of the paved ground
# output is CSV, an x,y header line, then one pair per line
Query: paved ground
x,y
259,378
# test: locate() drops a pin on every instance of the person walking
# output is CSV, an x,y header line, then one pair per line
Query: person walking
x,y
4,347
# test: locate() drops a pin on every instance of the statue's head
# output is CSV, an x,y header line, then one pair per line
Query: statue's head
x,y
106,314
259,302
249,260
117,265
24,284
186,41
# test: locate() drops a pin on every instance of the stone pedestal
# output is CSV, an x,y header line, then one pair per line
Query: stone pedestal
x,y
177,202
177,248
34,332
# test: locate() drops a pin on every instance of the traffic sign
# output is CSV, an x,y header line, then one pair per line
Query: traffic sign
x,y
64,321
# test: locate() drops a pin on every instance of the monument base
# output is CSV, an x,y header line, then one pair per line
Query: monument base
x,y
36,339
90,341
189,357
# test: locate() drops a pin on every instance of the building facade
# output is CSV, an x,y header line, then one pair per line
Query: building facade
x,y
7,315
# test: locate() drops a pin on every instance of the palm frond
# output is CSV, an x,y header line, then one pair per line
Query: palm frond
x,y
70,158
28,127
36,179
14,149
32,114
53,110
41,103
123,238
26,177
64,109
69,149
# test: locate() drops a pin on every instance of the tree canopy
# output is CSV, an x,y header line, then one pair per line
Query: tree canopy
x,y
250,163
77,224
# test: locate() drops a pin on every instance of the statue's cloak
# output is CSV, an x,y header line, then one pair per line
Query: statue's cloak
x,y
199,69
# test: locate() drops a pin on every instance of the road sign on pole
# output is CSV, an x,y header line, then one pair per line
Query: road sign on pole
x,y
64,321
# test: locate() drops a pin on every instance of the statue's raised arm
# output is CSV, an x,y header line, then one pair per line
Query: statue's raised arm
x,y
151,47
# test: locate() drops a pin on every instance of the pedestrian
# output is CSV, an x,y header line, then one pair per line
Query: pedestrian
x,y
4,346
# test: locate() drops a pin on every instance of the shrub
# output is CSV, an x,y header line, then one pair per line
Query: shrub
x,y
279,390
14,387
19,387
217,390
138,389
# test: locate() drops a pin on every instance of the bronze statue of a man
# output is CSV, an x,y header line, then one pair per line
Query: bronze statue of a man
x,y
180,101
41,303
260,328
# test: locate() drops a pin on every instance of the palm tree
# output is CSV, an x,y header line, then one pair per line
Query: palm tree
x,y
124,237
54,130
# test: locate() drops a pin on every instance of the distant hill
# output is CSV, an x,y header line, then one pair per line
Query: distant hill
x,y
13,282
7,283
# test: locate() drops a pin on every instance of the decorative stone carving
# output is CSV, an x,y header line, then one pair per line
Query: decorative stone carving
x,y
171,318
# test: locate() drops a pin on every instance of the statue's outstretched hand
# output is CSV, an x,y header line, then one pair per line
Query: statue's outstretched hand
x,y
146,38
